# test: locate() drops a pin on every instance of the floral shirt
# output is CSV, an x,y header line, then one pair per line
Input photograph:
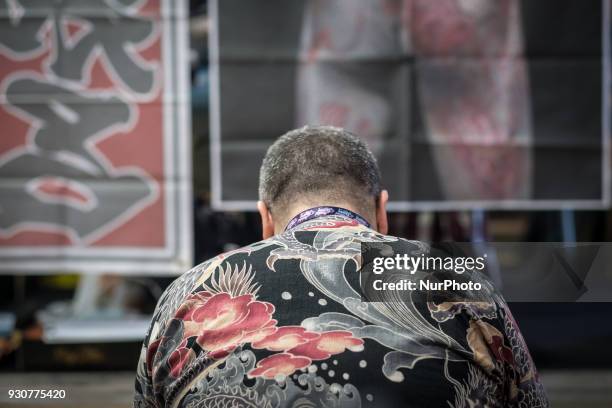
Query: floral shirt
x,y
281,323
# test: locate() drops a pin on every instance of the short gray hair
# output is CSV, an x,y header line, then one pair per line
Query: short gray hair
x,y
317,162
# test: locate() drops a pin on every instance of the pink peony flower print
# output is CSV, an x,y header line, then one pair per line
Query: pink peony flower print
x,y
285,338
180,358
278,364
328,344
222,322
191,303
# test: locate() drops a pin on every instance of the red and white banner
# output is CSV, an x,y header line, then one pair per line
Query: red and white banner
x,y
95,147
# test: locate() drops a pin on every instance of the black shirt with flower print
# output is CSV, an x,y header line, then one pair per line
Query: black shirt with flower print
x,y
281,323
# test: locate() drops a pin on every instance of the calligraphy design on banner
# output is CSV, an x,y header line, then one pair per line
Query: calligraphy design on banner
x,y
93,112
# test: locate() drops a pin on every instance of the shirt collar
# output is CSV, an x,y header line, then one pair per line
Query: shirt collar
x,y
324,211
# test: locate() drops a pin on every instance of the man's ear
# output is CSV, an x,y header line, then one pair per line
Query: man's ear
x,y
381,212
267,223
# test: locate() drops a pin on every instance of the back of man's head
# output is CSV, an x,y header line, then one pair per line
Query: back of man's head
x,y
319,165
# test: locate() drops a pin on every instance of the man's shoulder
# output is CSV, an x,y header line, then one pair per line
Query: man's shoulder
x,y
191,280
262,255
203,270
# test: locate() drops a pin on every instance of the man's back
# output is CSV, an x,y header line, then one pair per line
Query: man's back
x,y
281,323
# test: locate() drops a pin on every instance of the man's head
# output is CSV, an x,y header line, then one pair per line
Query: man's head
x,y
319,165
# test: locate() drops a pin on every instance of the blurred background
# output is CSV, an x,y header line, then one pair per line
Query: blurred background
x,y
133,131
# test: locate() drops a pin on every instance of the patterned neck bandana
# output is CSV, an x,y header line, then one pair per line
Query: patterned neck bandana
x,y
323,211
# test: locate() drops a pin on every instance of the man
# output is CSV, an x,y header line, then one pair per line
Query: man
x,y
282,322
